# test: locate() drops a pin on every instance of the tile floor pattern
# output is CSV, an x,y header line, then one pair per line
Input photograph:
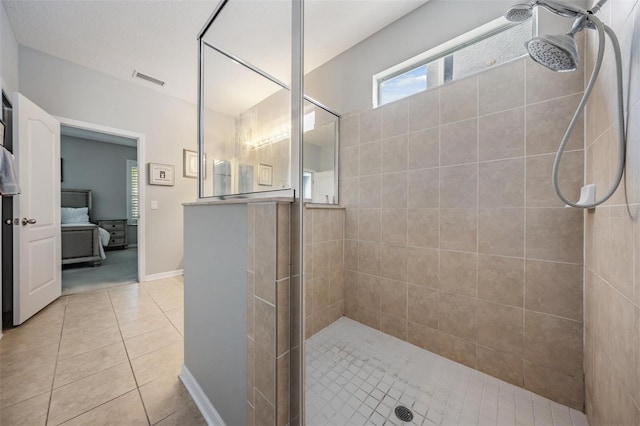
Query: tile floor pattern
x,y
356,375
109,357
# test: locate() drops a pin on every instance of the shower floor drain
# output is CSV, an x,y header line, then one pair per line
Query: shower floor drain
x,y
403,413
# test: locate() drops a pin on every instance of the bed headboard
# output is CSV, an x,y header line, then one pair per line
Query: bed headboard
x,y
76,198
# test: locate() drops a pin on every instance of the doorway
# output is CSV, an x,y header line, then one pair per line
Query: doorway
x,y
102,183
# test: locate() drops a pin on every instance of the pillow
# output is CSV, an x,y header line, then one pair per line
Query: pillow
x,y
71,215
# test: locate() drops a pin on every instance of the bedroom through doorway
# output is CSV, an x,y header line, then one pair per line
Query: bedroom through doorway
x,y
101,199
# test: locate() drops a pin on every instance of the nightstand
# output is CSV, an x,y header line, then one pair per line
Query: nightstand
x,y
118,230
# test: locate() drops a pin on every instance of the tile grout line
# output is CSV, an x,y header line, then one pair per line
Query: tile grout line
x,y
53,379
524,237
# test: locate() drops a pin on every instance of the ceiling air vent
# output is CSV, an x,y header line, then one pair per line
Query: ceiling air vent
x,y
148,78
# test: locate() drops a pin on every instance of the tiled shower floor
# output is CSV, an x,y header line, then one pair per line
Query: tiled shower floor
x,y
357,376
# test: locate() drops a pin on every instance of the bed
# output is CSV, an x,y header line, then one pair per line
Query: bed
x,y
82,241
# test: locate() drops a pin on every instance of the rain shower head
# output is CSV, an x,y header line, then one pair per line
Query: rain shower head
x,y
523,11
557,52
519,13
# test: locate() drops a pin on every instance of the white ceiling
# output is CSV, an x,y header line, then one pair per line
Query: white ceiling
x,y
158,37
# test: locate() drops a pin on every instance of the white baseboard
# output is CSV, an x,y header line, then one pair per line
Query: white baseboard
x,y
162,275
208,411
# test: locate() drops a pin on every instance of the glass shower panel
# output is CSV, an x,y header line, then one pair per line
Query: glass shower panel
x,y
258,32
320,140
246,120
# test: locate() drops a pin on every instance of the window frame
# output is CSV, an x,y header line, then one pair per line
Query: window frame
x,y
130,219
445,49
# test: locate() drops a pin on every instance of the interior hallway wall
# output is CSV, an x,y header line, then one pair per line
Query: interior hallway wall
x,y
612,290
68,90
455,240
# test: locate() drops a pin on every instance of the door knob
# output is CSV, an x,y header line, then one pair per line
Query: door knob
x,y
26,221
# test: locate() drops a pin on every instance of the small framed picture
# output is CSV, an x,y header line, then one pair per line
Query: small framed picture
x,y
161,174
190,164
265,175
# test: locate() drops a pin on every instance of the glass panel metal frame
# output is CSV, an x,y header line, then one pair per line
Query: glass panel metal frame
x,y
295,168
296,156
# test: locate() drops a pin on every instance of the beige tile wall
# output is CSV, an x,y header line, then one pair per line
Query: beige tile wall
x,y
324,267
612,287
268,290
454,239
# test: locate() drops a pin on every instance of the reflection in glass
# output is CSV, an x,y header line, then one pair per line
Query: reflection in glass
x,y
320,139
222,177
263,42
246,123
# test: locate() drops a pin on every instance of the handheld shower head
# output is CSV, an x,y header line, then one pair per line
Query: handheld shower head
x,y
519,13
557,52
523,11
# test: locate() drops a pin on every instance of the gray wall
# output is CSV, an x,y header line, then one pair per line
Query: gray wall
x,y
100,167
68,90
215,307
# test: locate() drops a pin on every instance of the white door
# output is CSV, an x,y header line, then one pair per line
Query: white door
x,y
37,241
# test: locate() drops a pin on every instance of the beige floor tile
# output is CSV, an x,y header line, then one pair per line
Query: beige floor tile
x,y
165,361
22,339
176,316
78,342
146,324
124,300
50,315
32,412
26,374
126,292
11,364
153,287
154,340
75,368
187,416
88,302
90,323
87,297
164,397
124,410
166,294
133,313
170,302
83,395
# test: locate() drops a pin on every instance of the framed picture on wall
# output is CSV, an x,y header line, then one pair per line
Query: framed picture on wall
x,y
190,164
161,174
265,175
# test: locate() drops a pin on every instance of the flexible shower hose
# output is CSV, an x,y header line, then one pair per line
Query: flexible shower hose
x,y
622,144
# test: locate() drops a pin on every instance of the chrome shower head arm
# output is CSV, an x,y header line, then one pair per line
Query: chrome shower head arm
x,y
562,9
580,24
596,7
